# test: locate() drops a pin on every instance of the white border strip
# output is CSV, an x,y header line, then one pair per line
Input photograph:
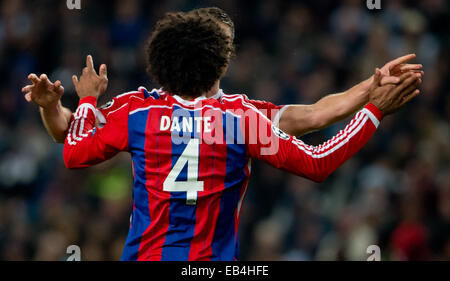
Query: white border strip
x,y
372,117
276,119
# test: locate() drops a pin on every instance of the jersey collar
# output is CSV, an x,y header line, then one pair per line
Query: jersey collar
x,y
218,95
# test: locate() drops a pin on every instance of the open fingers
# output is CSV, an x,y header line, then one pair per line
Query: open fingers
x,y
33,78
410,97
103,71
411,80
407,67
400,60
58,88
90,63
410,89
28,97
45,80
377,77
418,72
75,81
27,88
405,76
389,80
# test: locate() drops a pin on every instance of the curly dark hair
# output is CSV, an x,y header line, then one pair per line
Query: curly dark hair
x,y
188,53
218,14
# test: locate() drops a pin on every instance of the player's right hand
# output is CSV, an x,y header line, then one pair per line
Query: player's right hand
x,y
42,91
91,84
390,98
392,70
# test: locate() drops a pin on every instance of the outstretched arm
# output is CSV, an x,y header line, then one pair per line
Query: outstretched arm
x,y
298,120
318,162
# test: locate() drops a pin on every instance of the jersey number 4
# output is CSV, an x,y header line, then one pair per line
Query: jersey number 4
x,y
191,185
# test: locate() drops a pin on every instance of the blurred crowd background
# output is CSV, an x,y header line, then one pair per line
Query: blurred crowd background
x,y
395,193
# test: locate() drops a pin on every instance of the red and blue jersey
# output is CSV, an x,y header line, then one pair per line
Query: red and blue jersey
x,y
191,165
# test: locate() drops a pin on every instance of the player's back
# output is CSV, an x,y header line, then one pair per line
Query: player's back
x,y
190,177
191,166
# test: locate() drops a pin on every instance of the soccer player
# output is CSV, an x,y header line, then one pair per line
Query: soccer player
x,y
296,120
191,150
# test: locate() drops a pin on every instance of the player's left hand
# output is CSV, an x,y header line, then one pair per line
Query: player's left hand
x,y
392,70
91,84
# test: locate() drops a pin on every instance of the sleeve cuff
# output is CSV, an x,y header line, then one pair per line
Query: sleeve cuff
x,y
91,100
276,119
374,114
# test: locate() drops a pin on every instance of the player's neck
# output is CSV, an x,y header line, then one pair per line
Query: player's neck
x,y
213,90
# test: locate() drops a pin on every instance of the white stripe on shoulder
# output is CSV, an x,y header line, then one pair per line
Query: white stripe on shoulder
x,y
246,104
128,93
123,105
